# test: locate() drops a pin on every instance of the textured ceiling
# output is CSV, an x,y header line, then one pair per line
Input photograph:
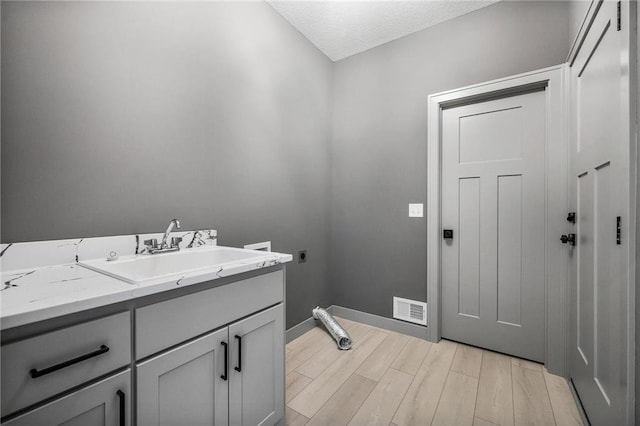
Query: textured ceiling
x,y
344,28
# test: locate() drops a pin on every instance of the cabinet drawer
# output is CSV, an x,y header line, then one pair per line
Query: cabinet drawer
x,y
168,323
42,366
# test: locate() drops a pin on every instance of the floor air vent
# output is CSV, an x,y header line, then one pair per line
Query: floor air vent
x,y
410,310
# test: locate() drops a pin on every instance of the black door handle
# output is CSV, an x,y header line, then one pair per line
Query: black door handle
x,y
121,399
37,373
226,360
570,238
238,368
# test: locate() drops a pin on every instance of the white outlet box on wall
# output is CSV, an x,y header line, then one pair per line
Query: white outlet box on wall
x,y
416,210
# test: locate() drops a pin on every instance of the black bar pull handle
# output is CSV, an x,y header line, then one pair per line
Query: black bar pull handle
x,y
238,368
618,230
122,402
37,373
226,360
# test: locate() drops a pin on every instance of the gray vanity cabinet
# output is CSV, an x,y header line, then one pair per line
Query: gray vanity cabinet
x,y
182,344
212,356
256,392
104,403
186,385
200,383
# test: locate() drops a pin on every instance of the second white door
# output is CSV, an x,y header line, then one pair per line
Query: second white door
x,y
493,201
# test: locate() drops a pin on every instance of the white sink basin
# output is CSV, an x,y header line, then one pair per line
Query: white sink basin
x,y
141,268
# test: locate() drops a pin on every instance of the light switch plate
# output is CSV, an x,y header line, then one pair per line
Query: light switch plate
x,y
415,210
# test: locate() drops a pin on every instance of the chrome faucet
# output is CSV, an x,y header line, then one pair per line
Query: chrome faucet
x,y
174,222
153,247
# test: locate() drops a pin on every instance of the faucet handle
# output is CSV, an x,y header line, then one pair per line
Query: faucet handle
x,y
175,241
152,243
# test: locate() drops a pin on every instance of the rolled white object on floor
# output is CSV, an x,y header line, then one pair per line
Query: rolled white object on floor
x,y
335,329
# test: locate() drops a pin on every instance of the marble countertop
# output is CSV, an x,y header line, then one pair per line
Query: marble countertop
x,y
39,290
39,294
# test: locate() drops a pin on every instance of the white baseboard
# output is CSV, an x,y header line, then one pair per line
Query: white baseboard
x,y
301,328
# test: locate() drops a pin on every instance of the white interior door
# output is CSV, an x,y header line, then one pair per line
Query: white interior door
x,y
600,188
493,199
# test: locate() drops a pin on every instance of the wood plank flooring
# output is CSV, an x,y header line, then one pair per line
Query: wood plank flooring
x,y
392,379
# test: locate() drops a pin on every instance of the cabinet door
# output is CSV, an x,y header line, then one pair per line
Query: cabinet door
x,y
256,387
185,386
104,403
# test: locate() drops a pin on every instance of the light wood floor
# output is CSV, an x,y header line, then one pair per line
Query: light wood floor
x,y
392,379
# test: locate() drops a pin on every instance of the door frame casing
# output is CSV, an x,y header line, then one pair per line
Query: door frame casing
x,y
553,80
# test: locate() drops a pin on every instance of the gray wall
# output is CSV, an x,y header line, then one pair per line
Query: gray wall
x,y
380,138
117,117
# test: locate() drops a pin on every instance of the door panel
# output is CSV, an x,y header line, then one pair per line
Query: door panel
x,y
586,247
97,404
96,416
493,197
600,169
491,136
469,254
256,392
183,385
510,249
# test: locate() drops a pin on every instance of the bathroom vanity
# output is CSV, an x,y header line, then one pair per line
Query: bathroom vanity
x,y
204,346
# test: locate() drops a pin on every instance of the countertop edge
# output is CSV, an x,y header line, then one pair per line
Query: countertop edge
x,y
130,292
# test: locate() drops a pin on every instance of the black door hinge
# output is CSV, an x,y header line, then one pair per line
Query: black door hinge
x,y
619,15
618,230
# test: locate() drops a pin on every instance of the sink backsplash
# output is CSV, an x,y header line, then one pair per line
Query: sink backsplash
x,y
37,254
